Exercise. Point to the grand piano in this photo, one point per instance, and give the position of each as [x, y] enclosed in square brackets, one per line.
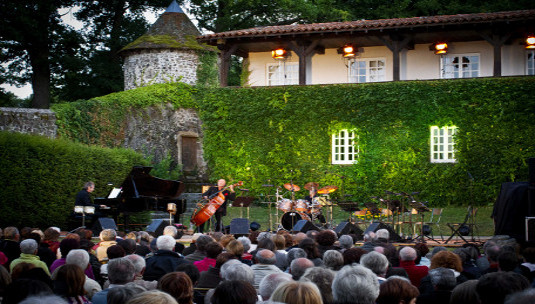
[141, 191]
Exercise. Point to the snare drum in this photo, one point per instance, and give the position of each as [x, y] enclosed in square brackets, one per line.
[301, 205]
[284, 205]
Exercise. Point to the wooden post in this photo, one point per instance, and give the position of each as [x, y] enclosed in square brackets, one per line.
[225, 64]
[303, 51]
[497, 42]
[395, 45]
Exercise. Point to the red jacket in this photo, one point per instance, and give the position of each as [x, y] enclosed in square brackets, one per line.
[416, 273]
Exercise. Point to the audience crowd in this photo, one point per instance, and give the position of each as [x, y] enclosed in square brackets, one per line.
[263, 267]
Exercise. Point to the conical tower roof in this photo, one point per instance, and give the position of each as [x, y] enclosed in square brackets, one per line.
[173, 29]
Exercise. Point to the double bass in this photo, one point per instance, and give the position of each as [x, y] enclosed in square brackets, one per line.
[199, 217]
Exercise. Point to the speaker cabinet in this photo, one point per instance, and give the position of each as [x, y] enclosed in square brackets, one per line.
[394, 237]
[348, 228]
[530, 229]
[156, 227]
[239, 226]
[104, 223]
[304, 226]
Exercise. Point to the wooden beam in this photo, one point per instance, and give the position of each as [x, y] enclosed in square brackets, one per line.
[497, 41]
[225, 64]
[395, 44]
[303, 50]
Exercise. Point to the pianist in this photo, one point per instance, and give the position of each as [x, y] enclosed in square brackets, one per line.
[83, 198]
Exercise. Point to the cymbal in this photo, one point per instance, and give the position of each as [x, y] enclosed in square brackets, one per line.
[327, 189]
[291, 187]
[311, 185]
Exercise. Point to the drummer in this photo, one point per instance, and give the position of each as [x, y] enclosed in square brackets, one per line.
[311, 198]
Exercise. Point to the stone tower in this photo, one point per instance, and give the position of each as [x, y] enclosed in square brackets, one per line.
[168, 52]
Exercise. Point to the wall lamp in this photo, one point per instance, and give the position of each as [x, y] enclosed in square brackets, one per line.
[279, 53]
[440, 48]
[530, 42]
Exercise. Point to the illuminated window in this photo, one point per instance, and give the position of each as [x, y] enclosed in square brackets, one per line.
[345, 149]
[443, 144]
[283, 73]
[530, 63]
[366, 70]
[460, 66]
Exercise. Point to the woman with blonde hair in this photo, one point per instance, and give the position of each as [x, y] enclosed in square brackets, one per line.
[297, 293]
[152, 297]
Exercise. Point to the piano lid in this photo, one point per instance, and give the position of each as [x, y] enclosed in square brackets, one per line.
[139, 183]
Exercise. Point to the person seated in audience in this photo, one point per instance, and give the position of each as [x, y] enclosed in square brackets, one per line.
[165, 260]
[443, 281]
[211, 277]
[508, 261]
[528, 267]
[121, 271]
[470, 270]
[108, 238]
[465, 293]
[124, 294]
[346, 242]
[494, 287]
[232, 292]
[422, 250]
[333, 259]
[143, 241]
[233, 270]
[152, 297]
[397, 290]
[355, 285]
[353, 255]
[264, 242]
[323, 279]
[377, 263]
[212, 249]
[80, 258]
[326, 240]
[128, 245]
[407, 256]
[492, 252]
[280, 253]
[246, 243]
[522, 297]
[178, 285]
[443, 259]
[297, 293]
[200, 251]
[299, 266]
[43, 299]
[43, 252]
[265, 265]
[370, 241]
[172, 231]
[5, 280]
[293, 254]
[139, 266]
[65, 247]
[28, 249]
[311, 248]
[69, 283]
[225, 239]
[113, 252]
[297, 238]
[237, 250]
[9, 245]
[270, 282]
[20, 289]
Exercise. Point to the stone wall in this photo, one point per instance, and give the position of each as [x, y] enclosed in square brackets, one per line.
[28, 121]
[160, 66]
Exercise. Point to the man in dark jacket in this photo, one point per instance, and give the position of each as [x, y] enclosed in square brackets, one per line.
[222, 210]
[164, 260]
[10, 244]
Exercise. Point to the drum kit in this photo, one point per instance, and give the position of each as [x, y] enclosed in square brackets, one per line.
[294, 210]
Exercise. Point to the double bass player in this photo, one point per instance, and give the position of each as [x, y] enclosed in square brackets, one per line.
[229, 194]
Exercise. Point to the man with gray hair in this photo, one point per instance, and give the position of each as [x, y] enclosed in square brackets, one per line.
[346, 242]
[382, 235]
[295, 253]
[199, 253]
[355, 285]
[443, 281]
[377, 263]
[407, 256]
[172, 231]
[266, 265]
[270, 282]
[234, 270]
[299, 266]
[139, 265]
[333, 259]
[323, 278]
[164, 260]
[28, 249]
[80, 258]
[370, 241]
[121, 271]
[9, 245]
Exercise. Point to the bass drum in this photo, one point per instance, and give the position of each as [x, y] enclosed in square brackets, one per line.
[289, 219]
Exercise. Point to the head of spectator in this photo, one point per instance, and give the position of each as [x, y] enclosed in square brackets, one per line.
[70, 280]
[436, 250]
[51, 235]
[446, 259]
[369, 237]
[216, 235]
[333, 259]
[128, 245]
[171, 231]
[263, 235]
[442, 278]
[279, 241]
[270, 282]
[246, 242]
[295, 253]
[376, 262]
[231, 292]
[11, 233]
[123, 294]
[165, 242]
[121, 271]
[346, 241]
[25, 232]
[326, 238]
[522, 297]
[234, 270]
[299, 266]
[78, 257]
[178, 285]
[253, 236]
[44, 299]
[20, 269]
[139, 264]
[143, 238]
[213, 249]
[407, 254]
[323, 278]
[382, 235]
[397, 290]
[236, 248]
[507, 261]
[310, 247]
[353, 255]
[115, 251]
[297, 293]
[191, 270]
[108, 235]
[223, 258]
[355, 284]
[225, 239]
[311, 234]
[20, 289]
[67, 245]
[288, 239]
[266, 257]
[73, 236]
[298, 237]
[422, 249]
[85, 234]
[28, 246]
[492, 252]
[266, 243]
[39, 233]
[465, 293]
[202, 241]
[492, 288]
[152, 297]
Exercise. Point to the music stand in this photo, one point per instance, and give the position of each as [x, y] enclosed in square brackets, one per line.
[243, 201]
[349, 207]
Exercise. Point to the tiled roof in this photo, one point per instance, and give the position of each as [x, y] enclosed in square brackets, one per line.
[363, 25]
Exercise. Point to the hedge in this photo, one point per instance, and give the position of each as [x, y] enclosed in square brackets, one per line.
[39, 177]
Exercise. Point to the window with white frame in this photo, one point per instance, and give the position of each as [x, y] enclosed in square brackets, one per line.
[460, 66]
[345, 149]
[366, 70]
[530, 63]
[283, 73]
[443, 144]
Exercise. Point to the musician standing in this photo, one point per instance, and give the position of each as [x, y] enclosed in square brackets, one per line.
[222, 210]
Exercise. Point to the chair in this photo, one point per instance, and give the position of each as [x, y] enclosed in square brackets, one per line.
[465, 228]
[436, 212]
